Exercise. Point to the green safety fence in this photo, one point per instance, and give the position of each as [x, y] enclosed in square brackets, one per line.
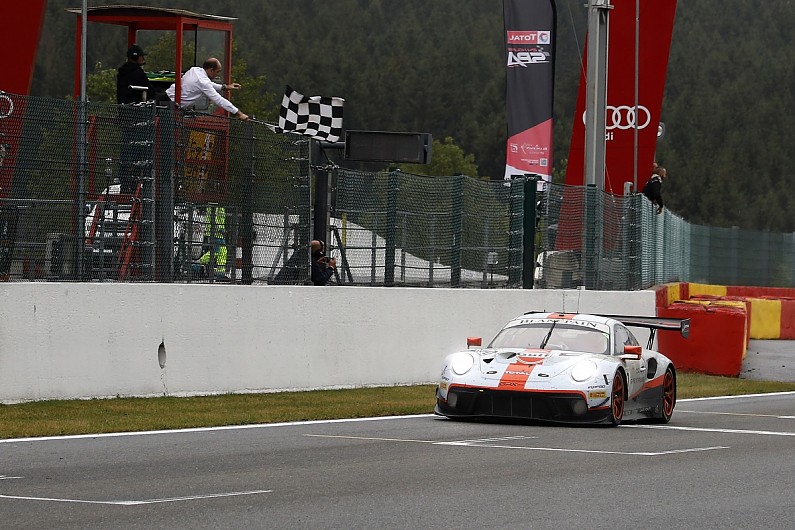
[146, 193]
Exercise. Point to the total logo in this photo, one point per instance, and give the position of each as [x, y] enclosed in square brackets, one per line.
[525, 58]
[529, 37]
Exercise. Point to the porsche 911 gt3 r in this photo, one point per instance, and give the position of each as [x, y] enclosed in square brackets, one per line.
[563, 367]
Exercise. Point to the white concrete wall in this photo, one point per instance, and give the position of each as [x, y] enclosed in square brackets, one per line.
[82, 340]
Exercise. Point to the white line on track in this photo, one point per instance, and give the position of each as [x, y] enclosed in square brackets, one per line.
[298, 423]
[369, 438]
[708, 429]
[739, 396]
[736, 414]
[210, 429]
[4, 477]
[485, 443]
[138, 503]
[591, 451]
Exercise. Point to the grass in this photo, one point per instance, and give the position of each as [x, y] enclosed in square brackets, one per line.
[51, 418]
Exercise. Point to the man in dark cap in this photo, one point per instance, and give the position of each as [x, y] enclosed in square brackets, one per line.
[130, 74]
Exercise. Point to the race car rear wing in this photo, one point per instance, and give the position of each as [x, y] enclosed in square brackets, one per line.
[654, 323]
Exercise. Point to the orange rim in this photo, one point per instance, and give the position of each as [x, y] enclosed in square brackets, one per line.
[618, 398]
[669, 394]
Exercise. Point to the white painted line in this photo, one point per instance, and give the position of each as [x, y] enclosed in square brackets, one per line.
[591, 451]
[739, 396]
[736, 414]
[369, 438]
[502, 438]
[484, 443]
[299, 423]
[707, 429]
[138, 503]
[416, 441]
[6, 477]
[210, 429]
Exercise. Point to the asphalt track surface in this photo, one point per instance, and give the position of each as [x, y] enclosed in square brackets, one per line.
[720, 463]
[769, 360]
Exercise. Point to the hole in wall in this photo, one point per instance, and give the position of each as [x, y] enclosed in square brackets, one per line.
[161, 355]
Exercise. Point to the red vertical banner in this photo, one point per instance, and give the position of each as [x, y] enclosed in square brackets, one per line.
[530, 52]
[20, 40]
[654, 20]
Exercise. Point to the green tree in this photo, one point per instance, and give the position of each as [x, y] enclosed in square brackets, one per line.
[446, 159]
[101, 84]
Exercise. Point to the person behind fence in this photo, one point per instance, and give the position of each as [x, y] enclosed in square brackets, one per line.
[132, 85]
[322, 266]
[653, 188]
[198, 90]
[131, 77]
[214, 232]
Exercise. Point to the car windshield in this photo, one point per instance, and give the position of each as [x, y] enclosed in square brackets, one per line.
[562, 337]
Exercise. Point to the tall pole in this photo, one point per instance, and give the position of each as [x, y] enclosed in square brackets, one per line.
[81, 131]
[637, 65]
[83, 28]
[596, 92]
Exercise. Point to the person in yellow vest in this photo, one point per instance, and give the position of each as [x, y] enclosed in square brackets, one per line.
[214, 229]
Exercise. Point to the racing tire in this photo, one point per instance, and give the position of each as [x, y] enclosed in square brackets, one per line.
[617, 400]
[668, 397]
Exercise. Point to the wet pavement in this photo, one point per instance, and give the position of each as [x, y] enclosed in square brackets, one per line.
[769, 360]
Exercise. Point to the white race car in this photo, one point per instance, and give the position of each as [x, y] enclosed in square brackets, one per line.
[563, 368]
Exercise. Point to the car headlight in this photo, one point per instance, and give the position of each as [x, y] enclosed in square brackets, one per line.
[583, 371]
[462, 363]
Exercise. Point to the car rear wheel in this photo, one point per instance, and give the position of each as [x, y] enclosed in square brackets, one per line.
[617, 399]
[668, 397]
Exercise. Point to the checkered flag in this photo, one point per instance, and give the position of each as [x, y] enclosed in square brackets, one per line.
[318, 116]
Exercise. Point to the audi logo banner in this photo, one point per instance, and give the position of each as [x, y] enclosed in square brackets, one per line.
[624, 117]
[530, 56]
[624, 114]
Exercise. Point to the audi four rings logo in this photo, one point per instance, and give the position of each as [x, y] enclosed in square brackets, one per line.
[623, 117]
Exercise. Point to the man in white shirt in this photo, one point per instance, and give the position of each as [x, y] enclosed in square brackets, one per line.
[198, 89]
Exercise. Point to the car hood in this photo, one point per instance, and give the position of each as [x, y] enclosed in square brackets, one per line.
[493, 362]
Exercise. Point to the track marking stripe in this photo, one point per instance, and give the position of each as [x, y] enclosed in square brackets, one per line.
[709, 429]
[369, 438]
[737, 414]
[739, 396]
[299, 423]
[138, 503]
[211, 429]
[591, 451]
[484, 443]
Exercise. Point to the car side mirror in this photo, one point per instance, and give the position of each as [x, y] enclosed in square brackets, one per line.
[635, 351]
[474, 341]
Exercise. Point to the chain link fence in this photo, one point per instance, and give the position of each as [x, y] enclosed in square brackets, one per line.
[93, 192]
[101, 192]
[395, 228]
[596, 240]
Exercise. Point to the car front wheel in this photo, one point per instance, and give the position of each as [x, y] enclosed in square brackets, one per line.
[668, 397]
[617, 399]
